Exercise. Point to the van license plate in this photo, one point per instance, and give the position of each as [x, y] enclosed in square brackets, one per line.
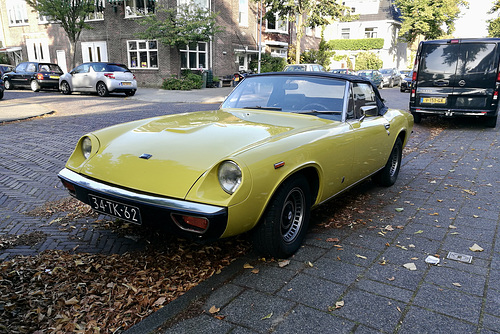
[438, 100]
[115, 209]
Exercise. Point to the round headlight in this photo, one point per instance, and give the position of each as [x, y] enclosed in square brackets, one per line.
[229, 176]
[86, 147]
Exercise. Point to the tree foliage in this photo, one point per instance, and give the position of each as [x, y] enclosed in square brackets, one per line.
[309, 14]
[321, 56]
[269, 63]
[494, 24]
[368, 61]
[70, 14]
[178, 26]
[428, 17]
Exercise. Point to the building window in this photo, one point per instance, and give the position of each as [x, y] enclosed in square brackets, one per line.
[276, 24]
[142, 54]
[278, 52]
[346, 33]
[194, 56]
[189, 3]
[98, 12]
[134, 8]
[370, 33]
[243, 13]
[17, 13]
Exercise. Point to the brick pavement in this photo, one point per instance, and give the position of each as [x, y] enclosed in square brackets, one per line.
[448, 188]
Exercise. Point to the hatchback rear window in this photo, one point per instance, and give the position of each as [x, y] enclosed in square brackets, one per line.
[116, 68]
[48, 68]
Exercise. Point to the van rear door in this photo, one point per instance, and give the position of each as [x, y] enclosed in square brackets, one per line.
[457, 77]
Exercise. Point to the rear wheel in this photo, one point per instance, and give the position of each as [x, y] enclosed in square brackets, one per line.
[65, 89]
[388, 175]
[35, 86]
[491, 121]
[102, 90]
[417, 118]
[8, 85]
[284, 224]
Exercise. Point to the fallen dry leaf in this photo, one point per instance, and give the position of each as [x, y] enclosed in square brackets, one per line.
[410, 266]
[214, 309]
[476, 248]
[283, 263]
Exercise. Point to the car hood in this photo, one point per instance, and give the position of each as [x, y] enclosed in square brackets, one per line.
[176, 150]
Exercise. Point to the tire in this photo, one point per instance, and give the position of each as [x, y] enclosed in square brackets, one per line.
[65, 89]
[284, 225]
[130, 93]
[35, 86]
[1, 94]
[102, 90]
[491, 121]
[388, 175]
[401, 89]
[417, 118]
[8, 85]
[381, 85]
[391, 84]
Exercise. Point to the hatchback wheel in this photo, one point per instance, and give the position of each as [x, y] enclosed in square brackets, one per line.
[35, 86]
[102, 90]
[8, 85]
[65, 89]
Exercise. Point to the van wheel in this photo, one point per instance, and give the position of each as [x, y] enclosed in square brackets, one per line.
[388, 175]
[491, 121]
[417, 118]
[285, 221]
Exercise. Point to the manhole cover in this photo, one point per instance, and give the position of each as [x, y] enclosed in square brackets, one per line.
[459, 257]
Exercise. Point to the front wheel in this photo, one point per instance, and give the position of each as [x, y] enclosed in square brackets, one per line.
[284, 224]
[35, 86]
[102, 90]
[388, 175]
[8, 85]
[65, 89]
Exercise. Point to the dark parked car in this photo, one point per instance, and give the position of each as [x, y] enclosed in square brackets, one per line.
[35, 75]
[374, 76]
[457, 77]
[406, 82]
[1, 88]
[4, 68]
[342, 71]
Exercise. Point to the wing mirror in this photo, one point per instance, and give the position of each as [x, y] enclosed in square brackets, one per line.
[368, 111]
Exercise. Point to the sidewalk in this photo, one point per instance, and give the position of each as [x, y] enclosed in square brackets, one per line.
[12, 110]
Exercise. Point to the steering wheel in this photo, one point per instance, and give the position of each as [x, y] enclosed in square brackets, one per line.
[314, 106]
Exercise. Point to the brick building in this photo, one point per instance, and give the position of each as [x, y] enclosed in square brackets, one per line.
[25, 35]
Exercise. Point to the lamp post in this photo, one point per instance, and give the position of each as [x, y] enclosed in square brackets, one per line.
[260, 37]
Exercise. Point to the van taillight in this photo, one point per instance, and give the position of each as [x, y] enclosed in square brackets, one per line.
[498, 76]
[414, 76]
[495, 95]
[454, 41]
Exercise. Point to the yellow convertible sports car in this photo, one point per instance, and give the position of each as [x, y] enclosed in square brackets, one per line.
[279, 145]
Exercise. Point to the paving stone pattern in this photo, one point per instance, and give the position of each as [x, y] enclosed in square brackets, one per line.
[451, 179]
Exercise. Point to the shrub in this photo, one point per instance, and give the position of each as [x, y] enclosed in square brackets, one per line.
[368, 61]
[188, 81]
[356, 44]
[269, 63]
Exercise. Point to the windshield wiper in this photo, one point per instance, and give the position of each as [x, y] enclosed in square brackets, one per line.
[313, 111]
[265, 108]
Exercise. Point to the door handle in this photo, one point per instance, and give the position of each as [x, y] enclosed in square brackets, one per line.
[387, 126]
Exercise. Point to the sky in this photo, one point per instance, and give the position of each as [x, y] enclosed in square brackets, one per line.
[472, 22]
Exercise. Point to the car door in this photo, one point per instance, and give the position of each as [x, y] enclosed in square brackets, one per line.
[373, 141]
[17, 78]
[80, 78]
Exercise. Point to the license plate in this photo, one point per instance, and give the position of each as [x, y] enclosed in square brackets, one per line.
[126, 83]
[123, 211]
[438, 100]
[54, 77]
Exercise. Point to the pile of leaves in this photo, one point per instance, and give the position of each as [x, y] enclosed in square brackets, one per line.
[58, 292]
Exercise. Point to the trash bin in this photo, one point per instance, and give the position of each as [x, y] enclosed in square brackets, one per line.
[210, 79]
[204, 76]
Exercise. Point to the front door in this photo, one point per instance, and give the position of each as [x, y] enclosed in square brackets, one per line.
[38, 50]
[94, 52]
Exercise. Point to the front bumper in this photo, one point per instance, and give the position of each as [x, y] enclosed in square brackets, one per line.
[154, 209]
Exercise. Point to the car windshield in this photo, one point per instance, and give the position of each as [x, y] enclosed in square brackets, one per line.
[300, 94]
[48, 68]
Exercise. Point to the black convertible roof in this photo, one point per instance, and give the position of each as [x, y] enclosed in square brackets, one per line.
[348, 77]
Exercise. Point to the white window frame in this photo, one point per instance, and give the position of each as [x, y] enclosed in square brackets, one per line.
[132, 10]
[243, 13]
[201, 3]
[186, 49]
[17, 13]
[138, 50]
[281, 26]
[370, 32]
[345, 33]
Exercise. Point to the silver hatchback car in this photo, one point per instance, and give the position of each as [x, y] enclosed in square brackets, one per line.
[102, 78]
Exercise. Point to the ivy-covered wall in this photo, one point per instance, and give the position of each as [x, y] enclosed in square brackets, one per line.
[356, 44]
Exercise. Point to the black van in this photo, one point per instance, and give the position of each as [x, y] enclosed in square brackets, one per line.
[456, 77]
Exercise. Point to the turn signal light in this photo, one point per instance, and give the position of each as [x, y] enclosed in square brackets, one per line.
[39, 76]
[190, 223]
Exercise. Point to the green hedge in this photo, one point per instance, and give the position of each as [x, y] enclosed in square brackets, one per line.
[356, 44]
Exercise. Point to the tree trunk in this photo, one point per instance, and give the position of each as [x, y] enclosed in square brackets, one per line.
[299, 38]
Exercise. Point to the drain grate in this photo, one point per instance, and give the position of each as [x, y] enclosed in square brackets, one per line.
[459, 257]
